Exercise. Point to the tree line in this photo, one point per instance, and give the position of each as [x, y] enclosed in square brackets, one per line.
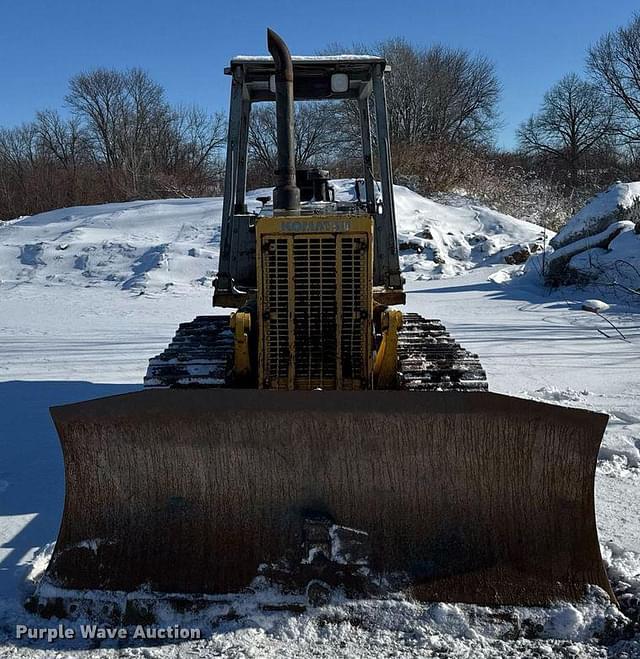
[120, 139]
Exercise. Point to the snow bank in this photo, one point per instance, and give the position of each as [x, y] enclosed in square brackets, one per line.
[599, 244]
[574, 262]
[392, 627]
[438, 241]
[133, 246]
[619, 202]
[617, 264]
[165, 245]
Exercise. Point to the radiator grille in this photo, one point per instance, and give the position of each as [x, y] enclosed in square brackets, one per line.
[277, 285]
[306, 303]
[353, 268]
[314, 311]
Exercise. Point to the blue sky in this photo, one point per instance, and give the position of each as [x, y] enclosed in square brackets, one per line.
[185, 44]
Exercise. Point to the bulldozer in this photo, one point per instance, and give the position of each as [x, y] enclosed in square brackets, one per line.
[317, 440]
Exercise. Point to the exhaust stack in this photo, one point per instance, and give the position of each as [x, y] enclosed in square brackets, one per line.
[286, 195]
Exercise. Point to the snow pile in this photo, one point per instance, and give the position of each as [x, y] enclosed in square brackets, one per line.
[599, 243]
[555, 395]
[623, 569]
[620, 451]
[595, 306]
[619, 202]
[620, 456]
[166, 245]
[438, 241]
[374, 628]
[134, 246]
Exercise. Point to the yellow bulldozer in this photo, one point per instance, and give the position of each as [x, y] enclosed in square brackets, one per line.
[318, 440]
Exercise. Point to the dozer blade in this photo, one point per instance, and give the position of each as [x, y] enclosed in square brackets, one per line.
[465, 497]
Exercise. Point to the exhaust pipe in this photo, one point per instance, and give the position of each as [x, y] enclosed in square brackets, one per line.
[286, 195]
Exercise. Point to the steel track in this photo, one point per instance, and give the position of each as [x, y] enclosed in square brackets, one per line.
[429, 359]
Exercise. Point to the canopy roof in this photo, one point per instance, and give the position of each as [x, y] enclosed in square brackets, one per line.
[312, 75]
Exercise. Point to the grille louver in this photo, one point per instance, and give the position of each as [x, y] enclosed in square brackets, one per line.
[314, 285]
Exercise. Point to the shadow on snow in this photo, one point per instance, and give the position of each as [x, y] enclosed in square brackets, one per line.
[31, 469]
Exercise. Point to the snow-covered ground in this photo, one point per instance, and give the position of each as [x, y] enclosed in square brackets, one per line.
[87, 295]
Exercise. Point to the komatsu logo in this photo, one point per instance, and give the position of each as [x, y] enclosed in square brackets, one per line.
[316, 226]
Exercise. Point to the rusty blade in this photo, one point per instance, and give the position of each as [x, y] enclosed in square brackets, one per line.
[473, 497]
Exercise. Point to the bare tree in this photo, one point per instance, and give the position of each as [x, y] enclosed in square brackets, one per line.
[442, 105]
[20, 169]
[187, 157]
[124, 114]
[95, 97]
[575, 120]
[318, 130]
[439, 94]
[614, 62]
[262, 138]
[122, 141]
[66, 141]
[143, 117]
